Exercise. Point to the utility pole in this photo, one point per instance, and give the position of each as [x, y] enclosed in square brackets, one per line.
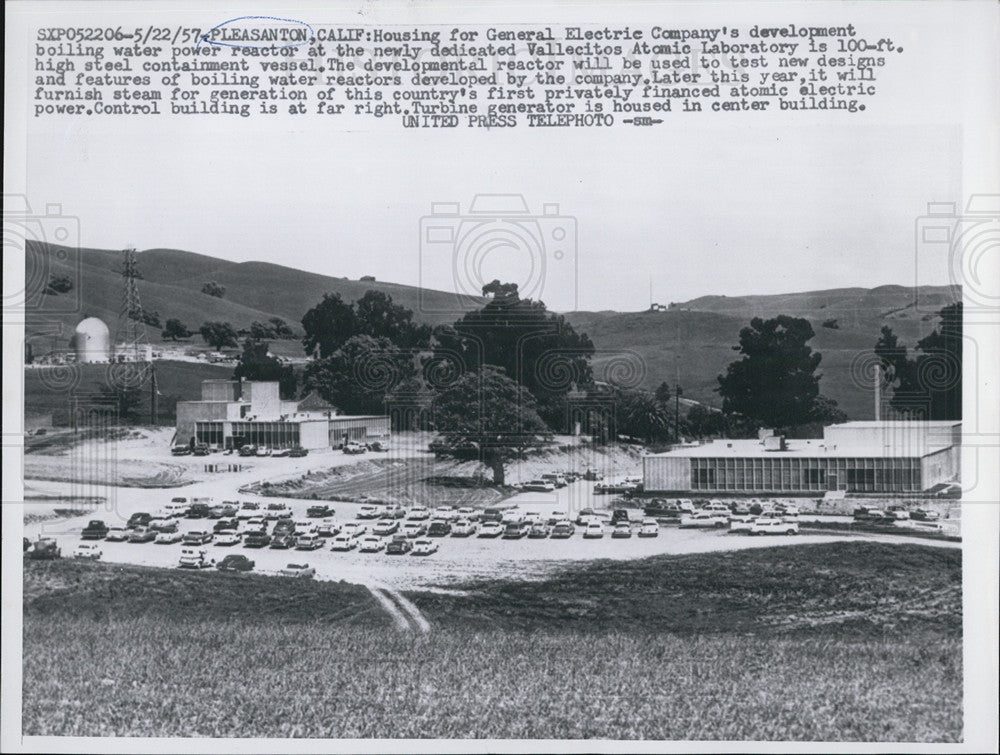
[677, 412]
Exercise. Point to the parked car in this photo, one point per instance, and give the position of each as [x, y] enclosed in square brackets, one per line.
[248, 450]
[91, 551]
[354, 448]
[418, 513]
[195, 558]
[257, 522]
[621, 530]
[198, 511]
[371, 544]
[169, 538]
[198, 537]
[216, 512]
[248, 510]
[715, 519]
[538, 486]
[142, 535]
[281, 452]
[439, 528]
[377, 445]
[178, 507]
[163, 524]
[96, 529]
[594, 529]
[424, 547]
[139, 519]
[343, 542]
[328, 528]
[414, 529]
[256, 540]
[224, 525]
[385, 527]
[229, 538]
[319, 511]
[369, 511]
[512, 516]
[117, 535]
[283, 527]
[235, 562]
[583, 516]
[557, 479]
[538, 531]
[469, 514]
[299, 571]
[263, 451]
[392, 511]
[180, 450]
[298, 452]
[398, 546]
[282, 541]
[446, 513]
[773, 526]
[898, 512]
[649, 528]
[741, 522]
[230, 509]
[618, 516]
[925, 515]
[491, 515]
[555, 516]
[354, 529]
[515, 530]
[490, 529]
[305, 527]
[562, 530]
[308, 542]
[463, 528]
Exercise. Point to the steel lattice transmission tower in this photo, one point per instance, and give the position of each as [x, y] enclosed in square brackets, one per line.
[131, 366]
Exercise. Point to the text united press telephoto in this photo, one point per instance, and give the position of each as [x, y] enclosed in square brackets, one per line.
[556, 377]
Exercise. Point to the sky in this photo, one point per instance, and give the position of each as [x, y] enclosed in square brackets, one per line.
[725, 204]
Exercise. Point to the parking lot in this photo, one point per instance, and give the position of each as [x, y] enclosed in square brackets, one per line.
[457, 560]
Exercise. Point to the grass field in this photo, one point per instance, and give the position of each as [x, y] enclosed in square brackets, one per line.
[132, 651]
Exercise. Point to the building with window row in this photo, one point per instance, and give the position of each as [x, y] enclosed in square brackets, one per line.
[234, 413]
[861, 457]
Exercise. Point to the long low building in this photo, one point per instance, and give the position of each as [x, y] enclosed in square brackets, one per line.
[234, 413]
[864, 457]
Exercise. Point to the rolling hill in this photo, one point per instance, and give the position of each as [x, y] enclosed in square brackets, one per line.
[171, 286]
[689, 344]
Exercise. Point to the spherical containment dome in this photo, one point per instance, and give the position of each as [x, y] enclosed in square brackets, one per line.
[92, 341]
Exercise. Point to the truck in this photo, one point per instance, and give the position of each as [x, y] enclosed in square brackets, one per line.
[96, 529]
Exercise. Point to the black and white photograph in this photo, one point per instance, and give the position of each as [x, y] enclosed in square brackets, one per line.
[425, 377]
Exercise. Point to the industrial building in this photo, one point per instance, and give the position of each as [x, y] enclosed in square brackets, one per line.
[234, 413]
[857, 457]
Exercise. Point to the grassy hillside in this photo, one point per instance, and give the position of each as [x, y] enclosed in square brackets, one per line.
[171, 286]
[116, 650]
[690, 343]
[831, 589]
[48, 389]
[692, 346]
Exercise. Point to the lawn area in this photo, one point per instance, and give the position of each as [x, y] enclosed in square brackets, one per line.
[840, 642]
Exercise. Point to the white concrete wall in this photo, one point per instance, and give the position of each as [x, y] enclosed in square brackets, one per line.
[666, 473]
[313, 434]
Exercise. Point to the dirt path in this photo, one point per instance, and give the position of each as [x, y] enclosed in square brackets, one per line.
[406, 616]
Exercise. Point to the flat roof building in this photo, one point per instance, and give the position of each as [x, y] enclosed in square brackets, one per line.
[889, 456]
[233, 413]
